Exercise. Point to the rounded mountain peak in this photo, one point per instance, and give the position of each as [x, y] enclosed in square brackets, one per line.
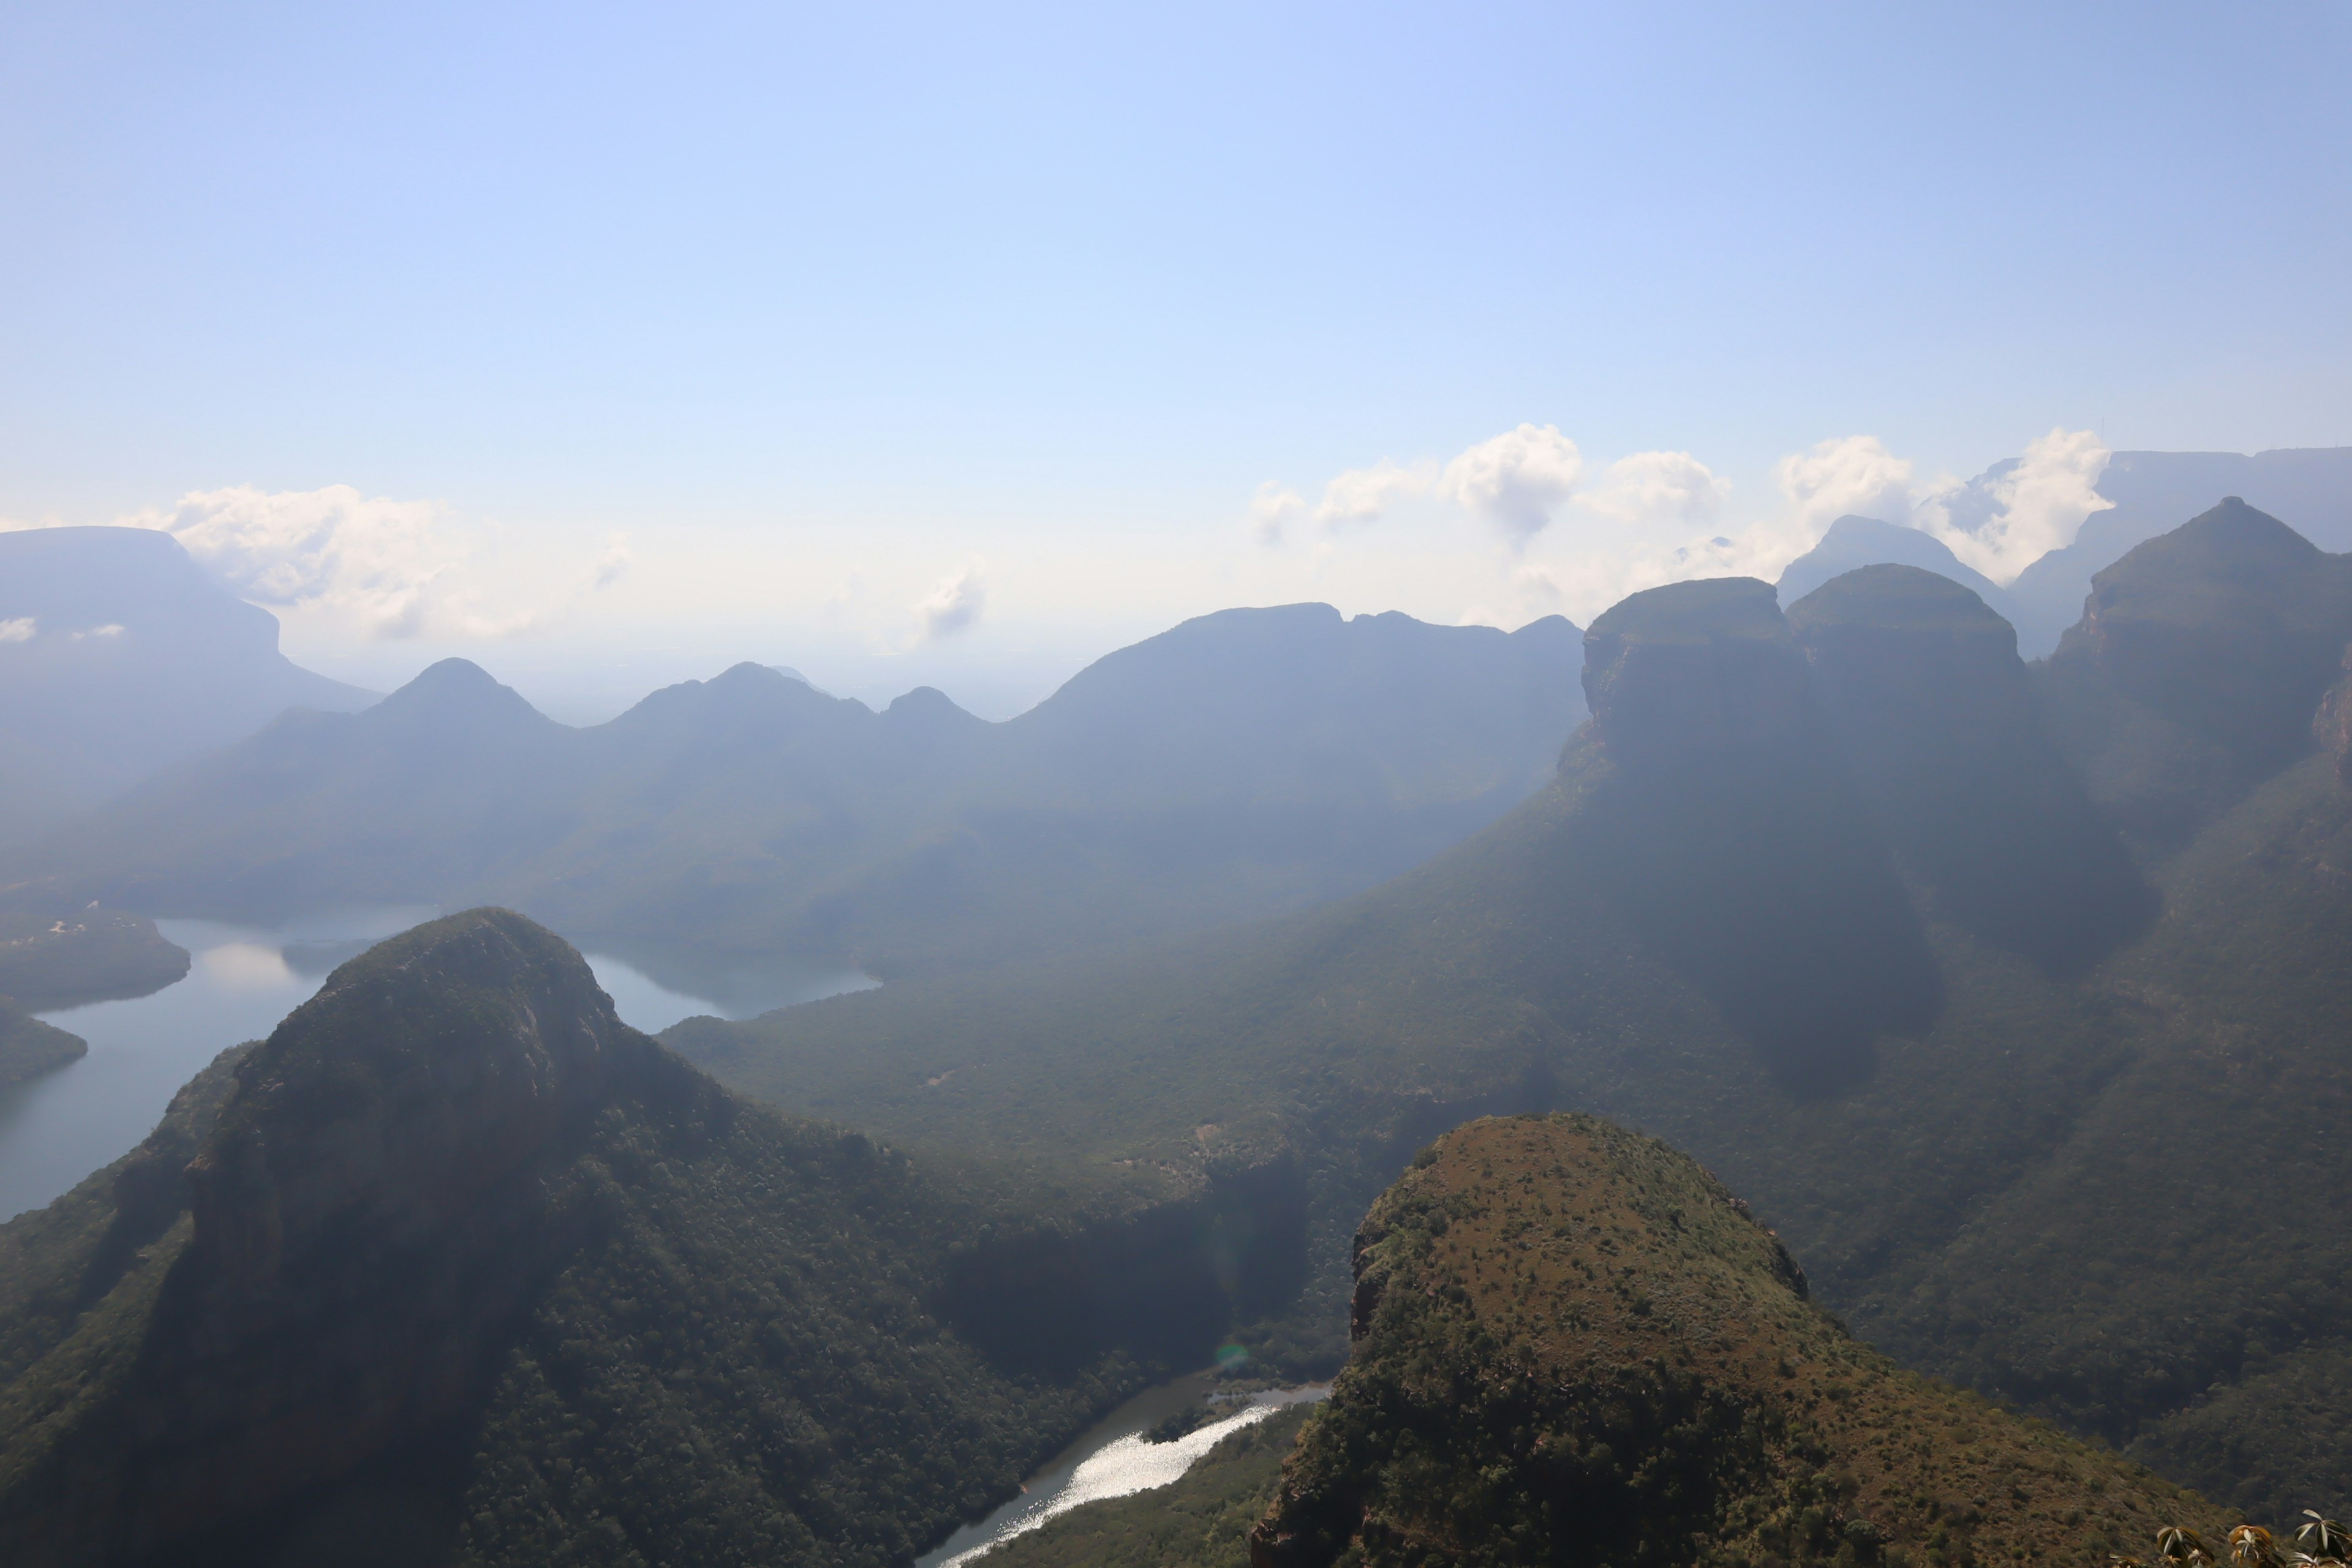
[1894, 598]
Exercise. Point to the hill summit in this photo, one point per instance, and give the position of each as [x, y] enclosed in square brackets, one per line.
[1573, 1344]
[463, 1267]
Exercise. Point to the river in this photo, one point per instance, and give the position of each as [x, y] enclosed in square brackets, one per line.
[1112, 1460]
[242, 980]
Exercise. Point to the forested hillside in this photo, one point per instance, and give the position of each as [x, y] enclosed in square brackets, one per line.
[457, 1266]
[1971, 975]
[1573, 1345]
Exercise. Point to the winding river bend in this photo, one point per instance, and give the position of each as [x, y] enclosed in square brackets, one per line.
[1112, 1460]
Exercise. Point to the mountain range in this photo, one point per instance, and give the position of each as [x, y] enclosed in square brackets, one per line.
[2148, 493]
[1243, 763]
[2009, 993]
[1971, 975]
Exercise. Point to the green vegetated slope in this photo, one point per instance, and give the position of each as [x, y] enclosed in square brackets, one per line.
[29, 1048]
[456, 1267]
[1838, 902]
[1573, 1345]
[53, 956]
[1240, 764]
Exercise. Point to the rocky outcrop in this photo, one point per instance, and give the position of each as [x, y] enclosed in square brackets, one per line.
[2331, 727]
[1936, 714]
[1573, 1345]
[1729, 831]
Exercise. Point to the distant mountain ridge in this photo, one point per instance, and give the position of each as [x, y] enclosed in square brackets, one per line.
[1856, 542]
[2149, 493]
[1242, 764]
[118, 659]
[1957, 1039]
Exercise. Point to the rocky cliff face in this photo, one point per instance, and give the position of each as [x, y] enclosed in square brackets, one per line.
[1730, 832]
[1572, 1345]
[1937, 715]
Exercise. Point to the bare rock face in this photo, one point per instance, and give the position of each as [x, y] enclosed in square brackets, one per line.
[2331, 727]
[385, 1188]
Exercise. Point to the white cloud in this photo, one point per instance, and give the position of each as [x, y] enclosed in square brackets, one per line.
[1361, 495]
[111, 629]
[21, 629]
[2036, 507]
[1273, 508]
[386, 569]
[1517, 480]
[1652, 488]
[1852, 475]
[955, 605]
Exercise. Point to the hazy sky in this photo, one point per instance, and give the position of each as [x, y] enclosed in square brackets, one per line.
[959, 345]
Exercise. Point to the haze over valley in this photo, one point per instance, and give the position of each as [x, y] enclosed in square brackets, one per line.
[1210, 788]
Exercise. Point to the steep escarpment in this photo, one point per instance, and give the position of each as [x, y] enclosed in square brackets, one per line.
[1728, 831]
[2198, 664]
[457, 1266]
[1573, 1345]
[1987, 1195]
[1939, 717]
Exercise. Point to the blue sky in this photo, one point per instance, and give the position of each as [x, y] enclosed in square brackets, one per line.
[821, 313]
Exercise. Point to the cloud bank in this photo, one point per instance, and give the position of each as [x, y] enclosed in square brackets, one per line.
[1577, 541]
[1848, 475]
[1517, 480]
[384, 569]
[2034, 507]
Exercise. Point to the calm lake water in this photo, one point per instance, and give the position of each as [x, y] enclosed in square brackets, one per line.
[1112, 1460]
[241, 981]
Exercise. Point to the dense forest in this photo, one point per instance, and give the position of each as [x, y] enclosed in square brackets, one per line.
[457, 1267]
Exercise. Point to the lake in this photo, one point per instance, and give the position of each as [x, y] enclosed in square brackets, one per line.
[1112, 1460]
[241, 981]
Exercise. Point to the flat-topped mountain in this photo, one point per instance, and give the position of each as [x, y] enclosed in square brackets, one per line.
[1572, 1344]
[1243, 763]
[118, 659]
[457, 1267]
[1950, 1037]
